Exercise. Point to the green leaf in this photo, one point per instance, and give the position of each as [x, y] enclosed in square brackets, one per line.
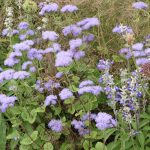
[86, 145]
[29, 139]
[24, 147]
[69, 101]
[48, 146]
[108, 133]
[2, 133]
[141, 139]
[13, 135]
[100, 146]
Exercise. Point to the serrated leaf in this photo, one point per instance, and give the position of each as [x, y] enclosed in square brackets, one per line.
[48, 146]
[29, 140]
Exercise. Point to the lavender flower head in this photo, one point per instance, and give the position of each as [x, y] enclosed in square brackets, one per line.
[52, 7]
[50, 35]
[69, 8]
[104, 121]
[55, 125]
[86, 83]
[140, 5]
[23, 26]
[21, 75]
[87, 23]
[75, 43]
[6, 101]
[50, 100]
[65, 94]
[138, 46]
[63, 59]
[59, 75]
[126, 52]
[26, 64]
[104, 65]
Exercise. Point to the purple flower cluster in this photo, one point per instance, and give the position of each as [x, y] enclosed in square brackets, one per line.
[50, 100]
[75, 43]
[59, 75]
[63, 59]
[49, 85]
[6, 31]
[123, 30]
[30, 64]
[88, 87]
[69, 8]
[65, 94]
[50, 35]
[140, 5]
[88, 38]
[80, 126]
[104, 65]
[55, 125]
[104, 121]
[87, 23]
[46, 8]
[126, 52]
[23, 26]
[72, 29]
[6, 101]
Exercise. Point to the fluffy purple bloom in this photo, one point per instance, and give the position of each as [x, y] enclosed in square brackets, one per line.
[11, 62]
[6, 101]
[38, 86]
[86, 83]
[50, 100]
[1, 69]
[80, 126]
[104, 121]
[14, 32]
[147, 51]
[63, 59]
[88, 38]
[49, 85]
[78, 55]
[72, 29]
[59, 75]
[56, 47]
[50, 35]
[140, 5]
[32, 69]
[95, 90]
[126, 52]
[65, 94]
[75, 43]
[122, 29]
[21, 75]
[5, 32]
[138, 46]
[88, 116]
[34, 54]
[52, 7]
[139, 53]
[30, 32]
[141, 61]
[87, 23]
[6, 75]
[55, 125]
[23, 26]
[104, 65]
[22, 37]
[26, 64]
[69, 8]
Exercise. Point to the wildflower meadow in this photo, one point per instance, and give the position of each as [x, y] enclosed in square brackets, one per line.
[74, 75]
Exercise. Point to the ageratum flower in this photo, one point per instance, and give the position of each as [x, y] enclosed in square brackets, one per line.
[55, 125]
[75, 43]
[142, 61]
[30, 32]
[104, 121]
[126, 52]
[26, 64]
[21, 75]
[56, 47]
[87, 23]
[32, 69]
[78, 55]
[50, 35]
[6, 75]
[22, 37]
[50, 100]
[95, 90]
[59, 75]
[5, 32]
[65, 94]
[72, 29]
[6, 101]
[69, 8]
[140, 5]
[34, 54]
[88, 116]
[63, 59]
[88, 38]
[104, 65]
[86, 83]
[80, 126]
[23, 26]
[122, 29]
[52, 7]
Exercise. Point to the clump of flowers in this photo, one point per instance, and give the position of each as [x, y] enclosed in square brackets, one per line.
[140, 5]
[55, 125]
